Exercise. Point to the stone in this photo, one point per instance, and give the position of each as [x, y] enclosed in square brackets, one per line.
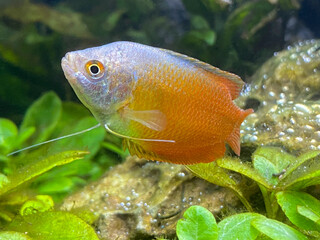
[140, 199]
[285, 95]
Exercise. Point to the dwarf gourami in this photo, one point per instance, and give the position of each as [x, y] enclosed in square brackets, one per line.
[167, 106]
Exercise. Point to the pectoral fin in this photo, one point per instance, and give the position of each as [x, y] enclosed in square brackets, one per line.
[153, 119]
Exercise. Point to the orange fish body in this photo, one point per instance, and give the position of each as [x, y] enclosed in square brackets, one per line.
[167, 106]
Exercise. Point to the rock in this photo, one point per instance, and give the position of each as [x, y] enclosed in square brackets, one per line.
[141, 199]
[285, 94]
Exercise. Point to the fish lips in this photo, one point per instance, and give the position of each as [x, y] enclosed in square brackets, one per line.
[69, 72]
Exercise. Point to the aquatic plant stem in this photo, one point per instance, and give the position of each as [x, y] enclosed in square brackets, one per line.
[270, 202]
[243, 200]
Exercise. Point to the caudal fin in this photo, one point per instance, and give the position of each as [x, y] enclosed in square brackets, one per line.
[234, 138]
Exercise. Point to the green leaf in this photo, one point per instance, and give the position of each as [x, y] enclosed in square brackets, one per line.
[277, 230]
[56, 181]
[211, 172]
[41, 203]
[246, 169]
[24, 135]
[75, 118]
[89, 141]
[43, 115]
[8, 135]
[301, 159]
[54, 185]
[200, 23]
[6, 215]
[36, 164]
[53, 226]
[113, 19]
[289, 202]
[198, 224]
[305, 174]
[308, 213]
[207, 36]
[85, 214]
[3, 180]
[11, 235]
[239, 227]
[114, 148]
[270, 161]
[71, 114]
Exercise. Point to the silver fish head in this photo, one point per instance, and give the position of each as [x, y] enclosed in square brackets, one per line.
[100, 76]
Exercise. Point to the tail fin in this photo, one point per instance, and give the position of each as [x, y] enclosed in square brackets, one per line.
[234, 138]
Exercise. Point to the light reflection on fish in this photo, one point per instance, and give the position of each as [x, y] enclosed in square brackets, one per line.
[167, 106]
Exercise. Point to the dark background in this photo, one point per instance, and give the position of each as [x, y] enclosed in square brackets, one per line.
[235, 35]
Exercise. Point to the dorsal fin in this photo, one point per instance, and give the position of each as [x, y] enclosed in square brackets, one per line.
[233, 82]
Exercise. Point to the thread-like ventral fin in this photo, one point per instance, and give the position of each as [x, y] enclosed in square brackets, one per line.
[136, 138]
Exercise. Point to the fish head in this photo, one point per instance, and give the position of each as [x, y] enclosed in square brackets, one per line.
[100, 77]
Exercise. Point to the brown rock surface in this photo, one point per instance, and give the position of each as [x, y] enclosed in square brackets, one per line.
[140, 199]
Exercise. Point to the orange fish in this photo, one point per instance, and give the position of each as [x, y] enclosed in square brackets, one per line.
[167, 106]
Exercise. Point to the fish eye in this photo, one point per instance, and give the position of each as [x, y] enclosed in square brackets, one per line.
[95, 69]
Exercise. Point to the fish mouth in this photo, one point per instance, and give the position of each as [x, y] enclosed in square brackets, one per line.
[69, 72]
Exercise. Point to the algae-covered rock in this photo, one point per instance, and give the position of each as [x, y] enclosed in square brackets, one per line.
[285, 93]
[141, 198]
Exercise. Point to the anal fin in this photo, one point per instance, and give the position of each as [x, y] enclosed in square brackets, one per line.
[176, 153]
[139, 150]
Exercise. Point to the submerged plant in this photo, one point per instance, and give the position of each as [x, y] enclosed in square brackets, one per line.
[31, 181]
[282, 178]
[199, 223]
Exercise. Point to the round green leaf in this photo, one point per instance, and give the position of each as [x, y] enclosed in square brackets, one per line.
[8, 134]
[270, 161]
[43, 114]
[308, 213]
[3, 180]
[277, 230]
[289, 202]
[198, 224]
[10, 235]
[239, 227]
[53, 226]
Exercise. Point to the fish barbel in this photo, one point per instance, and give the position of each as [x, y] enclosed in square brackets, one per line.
[166, 106]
